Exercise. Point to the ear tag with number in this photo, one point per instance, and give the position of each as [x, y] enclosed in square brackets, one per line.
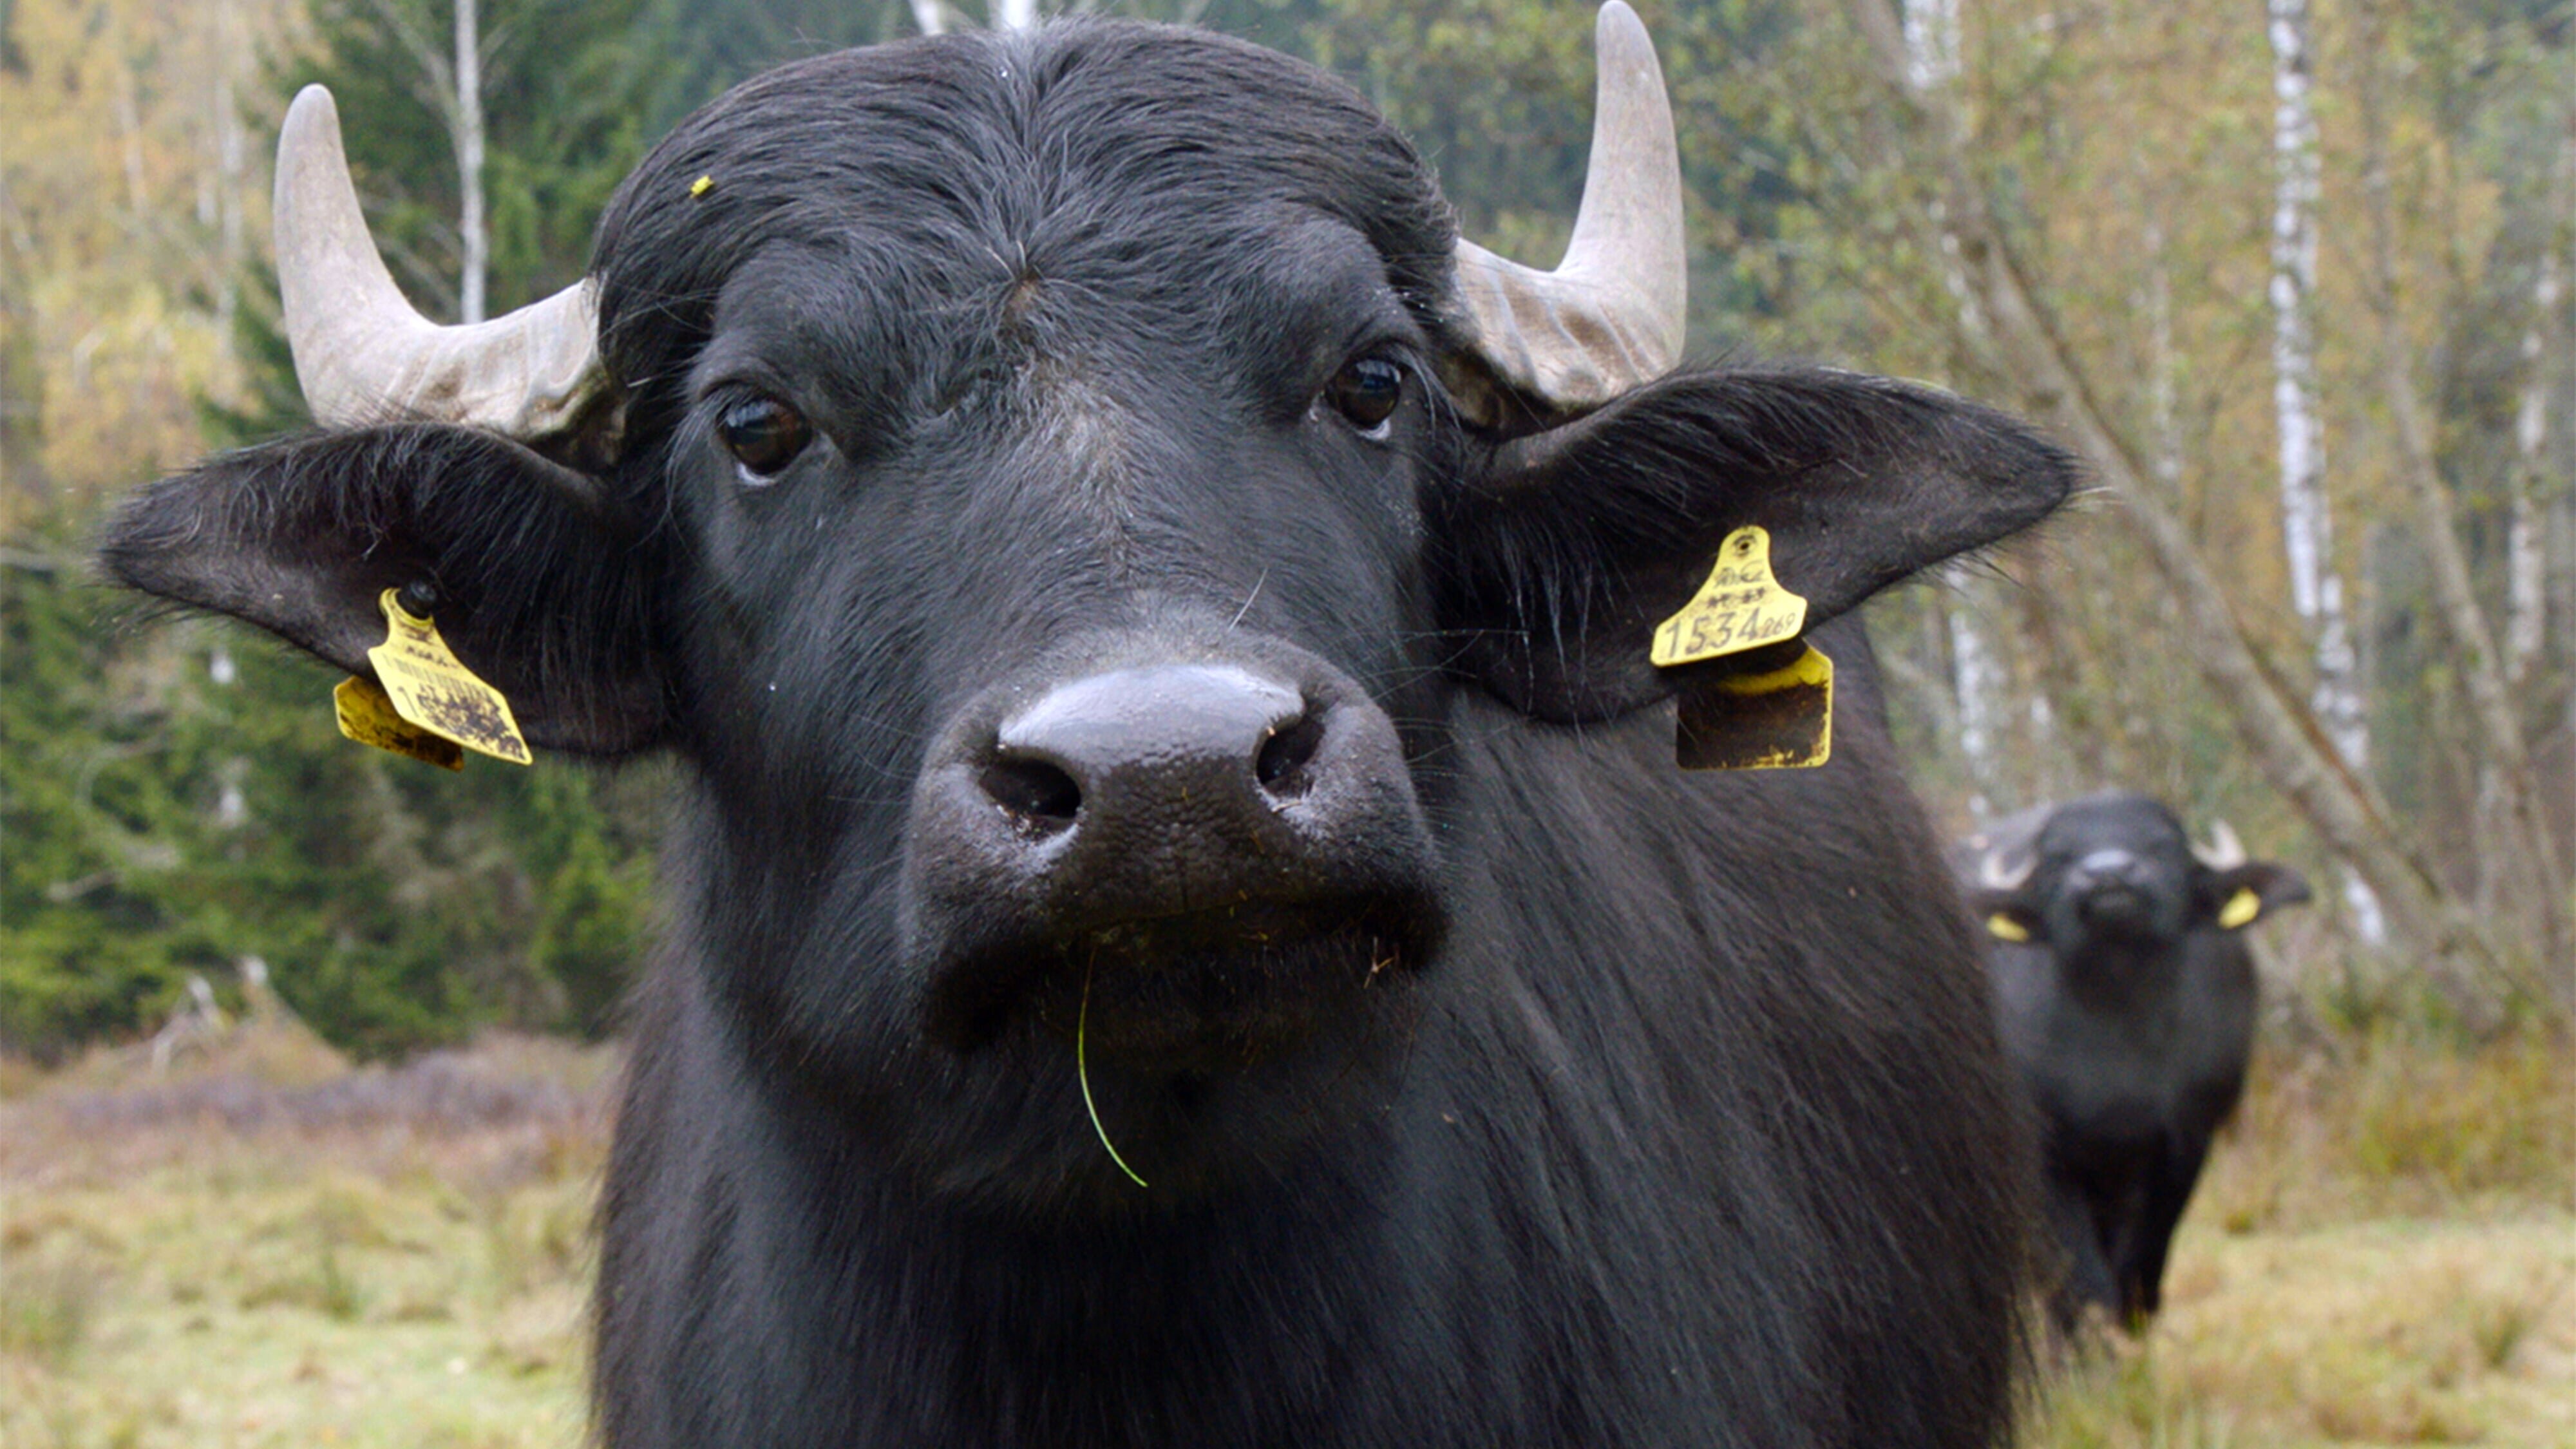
[2240, 909]
[1780, 719]
[2004, 928]
[1740, 607]
[432, 691]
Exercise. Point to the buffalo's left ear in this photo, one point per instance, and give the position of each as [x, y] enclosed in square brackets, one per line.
[1565, 549]
[2239, 895]
[541, 591]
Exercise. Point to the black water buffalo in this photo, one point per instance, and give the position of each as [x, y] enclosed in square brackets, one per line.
[2126, 998]
[1187, 927]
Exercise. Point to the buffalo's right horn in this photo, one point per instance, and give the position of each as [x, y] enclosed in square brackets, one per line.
[363, 355]
[1998, 870]
[2224, 851]
[1610, 316]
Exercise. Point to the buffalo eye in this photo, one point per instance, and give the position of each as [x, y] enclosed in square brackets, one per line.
[764, 435]
[1366, 391]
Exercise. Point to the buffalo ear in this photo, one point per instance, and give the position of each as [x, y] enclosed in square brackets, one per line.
[1565, 549]
[2240, 895]
[2006, 915]
[539, 592]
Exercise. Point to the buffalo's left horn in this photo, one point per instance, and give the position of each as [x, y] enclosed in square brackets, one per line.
[1610, 316]
[363, 355]
[2224, 851]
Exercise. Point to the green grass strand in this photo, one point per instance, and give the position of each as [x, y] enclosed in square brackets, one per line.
[1082, 1070]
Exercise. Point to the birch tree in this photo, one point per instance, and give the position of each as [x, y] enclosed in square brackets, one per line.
[2307, 523]
[2538, 495]
[465, 120]
[1976, 685]
[2526, 560]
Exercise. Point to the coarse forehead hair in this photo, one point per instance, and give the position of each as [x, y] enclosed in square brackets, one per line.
[942, 169]
[2113, 817]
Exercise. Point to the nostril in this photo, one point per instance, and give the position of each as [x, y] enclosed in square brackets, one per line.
[1035, 794]
[1283, 764]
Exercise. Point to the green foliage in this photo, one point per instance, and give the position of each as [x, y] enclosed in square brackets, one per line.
[176, 800]
[593, 927]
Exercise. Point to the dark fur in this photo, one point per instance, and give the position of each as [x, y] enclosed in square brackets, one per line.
[1687, 1126]
[2132, 1043]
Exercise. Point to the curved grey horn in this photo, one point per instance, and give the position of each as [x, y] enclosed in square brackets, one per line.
[2224, 851]
[364, 355]
[1996, 872]
[1610, 316]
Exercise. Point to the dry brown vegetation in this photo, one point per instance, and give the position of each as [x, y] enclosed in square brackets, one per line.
[262, 1246]
[265, 1247]
[2383, 1252]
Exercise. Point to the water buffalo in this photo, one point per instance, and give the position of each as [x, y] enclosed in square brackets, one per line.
[1186, 928]
[2126, 997]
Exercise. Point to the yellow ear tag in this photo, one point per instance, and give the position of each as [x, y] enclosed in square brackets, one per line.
[367, 715]
[432, 691]
[702, 186]
[1740, 607]
[2241, 907]
[2005, 928]
[1782, 719]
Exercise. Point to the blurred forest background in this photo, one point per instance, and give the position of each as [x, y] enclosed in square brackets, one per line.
[2297, 277]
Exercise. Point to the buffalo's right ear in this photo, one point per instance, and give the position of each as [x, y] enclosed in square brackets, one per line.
[2236, 896]
[539, 591]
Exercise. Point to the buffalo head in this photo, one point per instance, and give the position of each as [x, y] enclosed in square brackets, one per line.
[1061, 493]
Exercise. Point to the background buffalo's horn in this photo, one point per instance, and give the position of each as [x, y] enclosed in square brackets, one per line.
[1610, 316]
[2224, 851]
[364, 356]
[1997, 872]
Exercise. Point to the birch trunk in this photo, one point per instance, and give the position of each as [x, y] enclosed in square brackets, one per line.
[2526, 584]
[2307, 521]
[2162, 400]
[2282, 737]
[931, 16]
[2529, 601]
[1931, 63]
[230, 159]
[1931, 43]
[474, 240]
[1977, 687]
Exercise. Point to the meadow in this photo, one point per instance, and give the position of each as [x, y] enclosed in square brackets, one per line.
[258, 1245]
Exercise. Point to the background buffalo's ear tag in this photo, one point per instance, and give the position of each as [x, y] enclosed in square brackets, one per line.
[1782, 719]
[2004, 928]
[430, 689]
[1740, 607]
[2240, 909]
[367, 715]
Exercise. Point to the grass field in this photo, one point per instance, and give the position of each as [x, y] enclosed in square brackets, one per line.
[266, 1248]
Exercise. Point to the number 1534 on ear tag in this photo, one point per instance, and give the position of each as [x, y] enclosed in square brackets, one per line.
[1740, 607]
